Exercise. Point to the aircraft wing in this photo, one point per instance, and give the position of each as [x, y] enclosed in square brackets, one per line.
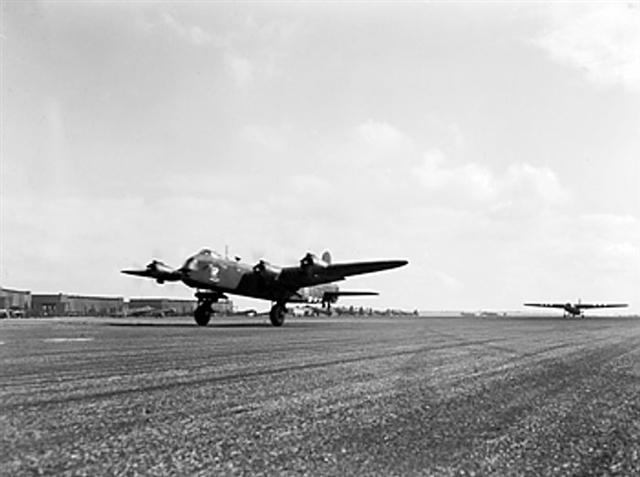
[344, 270]
[602, 305]
[314, 274]
[546, 305]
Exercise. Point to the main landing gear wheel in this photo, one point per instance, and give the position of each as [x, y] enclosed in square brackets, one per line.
[204, 310]
[277, 314]
[203, 314]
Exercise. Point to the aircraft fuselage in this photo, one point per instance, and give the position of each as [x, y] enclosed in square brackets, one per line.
[572, 309]
[207, 271]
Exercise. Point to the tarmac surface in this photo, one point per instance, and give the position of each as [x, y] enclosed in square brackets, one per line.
[320, 396]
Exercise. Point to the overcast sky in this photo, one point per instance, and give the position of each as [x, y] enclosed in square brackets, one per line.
[494, 146]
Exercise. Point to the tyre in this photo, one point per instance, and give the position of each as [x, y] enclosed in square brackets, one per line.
[277, 314]
[202, 315]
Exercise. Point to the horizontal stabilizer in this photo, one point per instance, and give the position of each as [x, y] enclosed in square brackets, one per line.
[331, 296]
[350, 293]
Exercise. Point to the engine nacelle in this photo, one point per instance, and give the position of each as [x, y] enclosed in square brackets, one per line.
[312, 261]
[161, 272]
[157, 270]
[266, 270]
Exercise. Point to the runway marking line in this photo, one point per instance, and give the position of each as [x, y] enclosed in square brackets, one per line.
[63, 340]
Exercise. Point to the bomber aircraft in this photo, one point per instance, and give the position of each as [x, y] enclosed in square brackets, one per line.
[577, 308]
[213, 276]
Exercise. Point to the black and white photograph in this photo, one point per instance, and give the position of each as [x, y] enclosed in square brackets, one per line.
[319, 238]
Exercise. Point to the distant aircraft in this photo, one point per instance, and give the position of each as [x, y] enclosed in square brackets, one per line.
[147, 311]
[138, 311]
[325, 295]
[576, 309]
[214, 276]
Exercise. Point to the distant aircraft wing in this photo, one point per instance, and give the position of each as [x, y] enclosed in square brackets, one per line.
[602, 305]
[546, 305]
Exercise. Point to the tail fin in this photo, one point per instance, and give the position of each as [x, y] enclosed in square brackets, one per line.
[326, 257]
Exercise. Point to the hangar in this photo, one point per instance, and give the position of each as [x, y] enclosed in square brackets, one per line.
[15, 302]
[75, 305]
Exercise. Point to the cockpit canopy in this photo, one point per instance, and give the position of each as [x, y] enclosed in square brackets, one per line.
[209, 252]
[204, 254]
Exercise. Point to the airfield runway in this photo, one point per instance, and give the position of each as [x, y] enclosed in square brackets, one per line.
[319, 396]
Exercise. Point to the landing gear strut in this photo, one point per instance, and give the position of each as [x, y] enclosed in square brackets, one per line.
[277, 314]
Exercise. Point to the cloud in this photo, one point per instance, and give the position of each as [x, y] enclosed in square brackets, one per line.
[612, 240]
[273, 138]
[470, 180]
[521, 187]
[447, 280]
[529, 187]
[382, 136]
[372, 155]
[590, 245]
[191, 33]
[603, 40]
[622, 252]
[241, 69]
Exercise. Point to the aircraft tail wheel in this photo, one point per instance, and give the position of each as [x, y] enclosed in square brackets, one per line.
[277, 314]
[202, 315]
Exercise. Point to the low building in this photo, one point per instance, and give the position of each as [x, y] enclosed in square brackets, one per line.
[223, 307]
[160, 306]
[172, 306]
[15, 302]
[76, 305]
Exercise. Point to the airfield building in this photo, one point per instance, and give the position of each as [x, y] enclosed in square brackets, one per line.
[164, 306]
[15, 302]
[76, 305]
[223, 307]
[174, 306]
